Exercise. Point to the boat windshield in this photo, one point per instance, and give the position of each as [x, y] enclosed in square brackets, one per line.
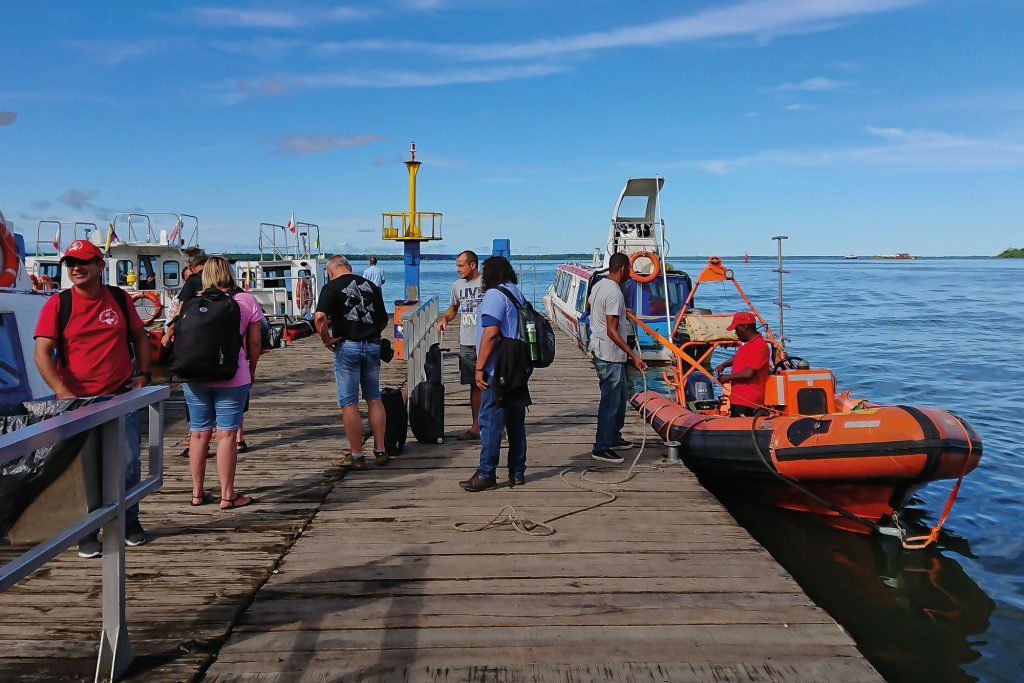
[648, 298]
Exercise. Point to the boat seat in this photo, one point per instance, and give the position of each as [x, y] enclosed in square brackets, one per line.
[709, 328]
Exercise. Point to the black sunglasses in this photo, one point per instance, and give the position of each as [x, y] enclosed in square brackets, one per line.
[72, 262]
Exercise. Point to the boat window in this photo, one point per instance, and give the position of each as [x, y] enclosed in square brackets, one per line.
[147, 272]
[124, 267]
[563, 287]
[581, 296]
[172, 274]
[276, 276]
[633, 207]
[558, 281]
[13, 378]
[52, 271]
[652, 295]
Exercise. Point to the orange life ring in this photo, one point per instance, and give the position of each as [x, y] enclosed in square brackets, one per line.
[655, 263]
[46, 283]
[303, 294]
[153, 297]
[9, 252]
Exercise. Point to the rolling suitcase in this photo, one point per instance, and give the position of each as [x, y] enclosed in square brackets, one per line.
[396, 427]
[433, 364]
[426, 412]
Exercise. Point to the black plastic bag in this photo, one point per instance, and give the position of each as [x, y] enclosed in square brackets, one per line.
[25, 478]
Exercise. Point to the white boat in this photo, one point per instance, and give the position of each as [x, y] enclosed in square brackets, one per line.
[287, 278]
[20, 305]
[638, 231]
[850, 257]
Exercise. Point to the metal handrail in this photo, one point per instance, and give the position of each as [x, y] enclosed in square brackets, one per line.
[420, 331]
[115, 653]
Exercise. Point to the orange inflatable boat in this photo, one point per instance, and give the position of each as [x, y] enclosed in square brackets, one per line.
[808, 447]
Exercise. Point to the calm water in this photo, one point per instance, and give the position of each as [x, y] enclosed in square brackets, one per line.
[938, 332]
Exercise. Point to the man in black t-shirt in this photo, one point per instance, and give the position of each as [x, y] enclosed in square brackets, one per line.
[353, 308]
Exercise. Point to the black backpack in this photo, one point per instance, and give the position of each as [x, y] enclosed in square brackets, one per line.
[206, 338]
[64, 304]
[544, 346]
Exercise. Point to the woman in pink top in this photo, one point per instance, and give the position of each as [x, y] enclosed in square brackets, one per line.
[222, 402]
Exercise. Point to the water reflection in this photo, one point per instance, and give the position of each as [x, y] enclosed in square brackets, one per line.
[916, 615]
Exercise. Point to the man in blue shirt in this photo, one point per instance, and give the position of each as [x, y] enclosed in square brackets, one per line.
[374, 273]
[496, 319]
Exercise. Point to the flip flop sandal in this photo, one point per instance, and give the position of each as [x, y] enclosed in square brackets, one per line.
[204, 499]
[233, 503]
[242, 446]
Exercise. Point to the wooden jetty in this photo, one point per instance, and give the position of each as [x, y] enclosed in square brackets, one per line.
[362, 577]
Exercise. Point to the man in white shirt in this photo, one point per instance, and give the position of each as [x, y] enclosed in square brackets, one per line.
[467, 293]
[374, 273]
[609, 329]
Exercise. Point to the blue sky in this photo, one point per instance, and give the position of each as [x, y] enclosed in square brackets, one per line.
[866, 126]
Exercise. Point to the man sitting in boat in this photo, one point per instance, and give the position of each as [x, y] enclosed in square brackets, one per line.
[750, 367]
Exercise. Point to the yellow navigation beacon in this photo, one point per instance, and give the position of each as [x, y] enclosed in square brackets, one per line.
[411, 225]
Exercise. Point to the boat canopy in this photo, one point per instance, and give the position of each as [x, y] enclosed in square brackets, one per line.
[634, 219]
[626, 209]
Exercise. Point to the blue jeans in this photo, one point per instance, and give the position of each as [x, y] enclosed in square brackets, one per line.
[357, 366]
[206, 405]
[611, 413]
[493, 420]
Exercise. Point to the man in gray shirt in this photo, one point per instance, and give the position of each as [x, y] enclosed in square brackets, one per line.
[609, 329]
[466, 295]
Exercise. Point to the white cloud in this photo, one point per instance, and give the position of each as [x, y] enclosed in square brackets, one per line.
[305, 145]
[239, 90]
[754, 18]
[899, 148]
[799, 106]
[815, 84]
[284, 18]
[117, 52]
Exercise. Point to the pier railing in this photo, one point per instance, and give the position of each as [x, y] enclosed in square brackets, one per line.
[420, 331]
[115, 652]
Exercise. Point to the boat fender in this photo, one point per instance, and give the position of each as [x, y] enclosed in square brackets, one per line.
[154, 297]
[655, 266]
[9, 254]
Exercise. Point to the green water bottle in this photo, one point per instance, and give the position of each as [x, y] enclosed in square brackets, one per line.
[531, 340]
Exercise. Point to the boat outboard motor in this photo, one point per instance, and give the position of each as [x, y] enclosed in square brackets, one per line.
[699, 389]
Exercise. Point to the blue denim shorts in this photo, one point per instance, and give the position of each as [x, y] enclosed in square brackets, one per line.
[208, 404]
[357, 366]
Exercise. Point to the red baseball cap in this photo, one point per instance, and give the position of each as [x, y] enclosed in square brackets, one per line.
[82, 250]
[742, 318]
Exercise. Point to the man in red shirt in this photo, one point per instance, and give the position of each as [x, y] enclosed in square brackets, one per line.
[91, 356]
[749, 367]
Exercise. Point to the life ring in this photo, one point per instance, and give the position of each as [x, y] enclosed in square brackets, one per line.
[46, 283]
[655, 266]
[303, 295]
[9, 252]
[153, 298]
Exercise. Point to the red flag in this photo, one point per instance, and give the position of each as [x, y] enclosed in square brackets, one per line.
[56, 239]
[174, 233]
[291, 221]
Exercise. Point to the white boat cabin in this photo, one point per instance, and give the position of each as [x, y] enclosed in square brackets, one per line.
[290, 272]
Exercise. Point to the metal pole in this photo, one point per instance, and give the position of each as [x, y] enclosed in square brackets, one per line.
[780, 302]
[115, 655]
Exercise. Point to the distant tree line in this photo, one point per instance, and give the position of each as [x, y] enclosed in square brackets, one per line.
[1011, 253]
[398, 257]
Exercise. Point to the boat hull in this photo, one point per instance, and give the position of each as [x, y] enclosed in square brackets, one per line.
[868, 461]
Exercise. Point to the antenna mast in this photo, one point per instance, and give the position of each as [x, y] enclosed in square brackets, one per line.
[779, 302]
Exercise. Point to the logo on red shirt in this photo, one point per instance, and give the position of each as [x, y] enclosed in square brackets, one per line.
[108, 317]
